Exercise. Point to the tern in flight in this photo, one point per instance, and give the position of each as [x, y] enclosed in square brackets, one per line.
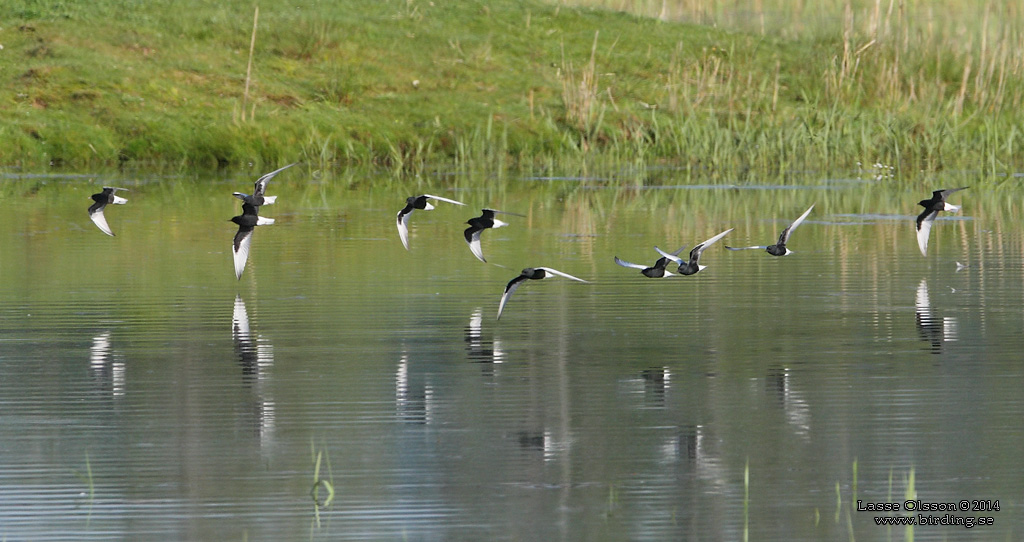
[530, 273]
[779, 249]
[259, 189]
[655, 271]
[102, 199]
[247, 222]
[411, 204]
[477, 225]
[692, 266]
[932, 207]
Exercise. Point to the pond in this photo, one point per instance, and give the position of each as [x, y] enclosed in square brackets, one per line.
[346, 388]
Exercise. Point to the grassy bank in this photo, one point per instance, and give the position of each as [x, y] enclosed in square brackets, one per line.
[403, 84]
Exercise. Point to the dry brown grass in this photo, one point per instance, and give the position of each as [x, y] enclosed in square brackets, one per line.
[942, 54]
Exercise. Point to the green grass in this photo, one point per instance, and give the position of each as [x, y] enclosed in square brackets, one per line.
[87, 479]
[319, 483]
[408, 85]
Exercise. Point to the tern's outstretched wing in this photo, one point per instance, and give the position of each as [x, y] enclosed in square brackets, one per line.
[946, 192]
[100, 220]
[924, 228]
[260, 186]
[240, 248]
[697, 250]
[403, 226]
[492, 211]
[561, 274]
[473, 239]
[510, 288]
[762, 247]
[672, 256]
[444, 199]
[784, 237]
[624, 263]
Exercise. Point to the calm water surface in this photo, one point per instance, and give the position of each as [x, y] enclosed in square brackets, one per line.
[147, 394]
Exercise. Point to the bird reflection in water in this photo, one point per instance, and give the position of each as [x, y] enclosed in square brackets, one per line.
[480, 350]
[542, 441]
[933, 330]
[256, 357]
[693, 445]
[106, 366]
[656, 383]
[413, 398]
[778, 382]
[650, 386]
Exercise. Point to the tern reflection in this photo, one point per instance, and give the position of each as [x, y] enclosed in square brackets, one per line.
[256, 357]
[413, 396]
[106, 366]
[794, 406]
[656, 384]
[480, 350]
[933, 330]
[650, 386]
[696, 448]
[542, 441]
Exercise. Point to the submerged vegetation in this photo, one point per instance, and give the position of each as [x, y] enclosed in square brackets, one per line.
[404, 84]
